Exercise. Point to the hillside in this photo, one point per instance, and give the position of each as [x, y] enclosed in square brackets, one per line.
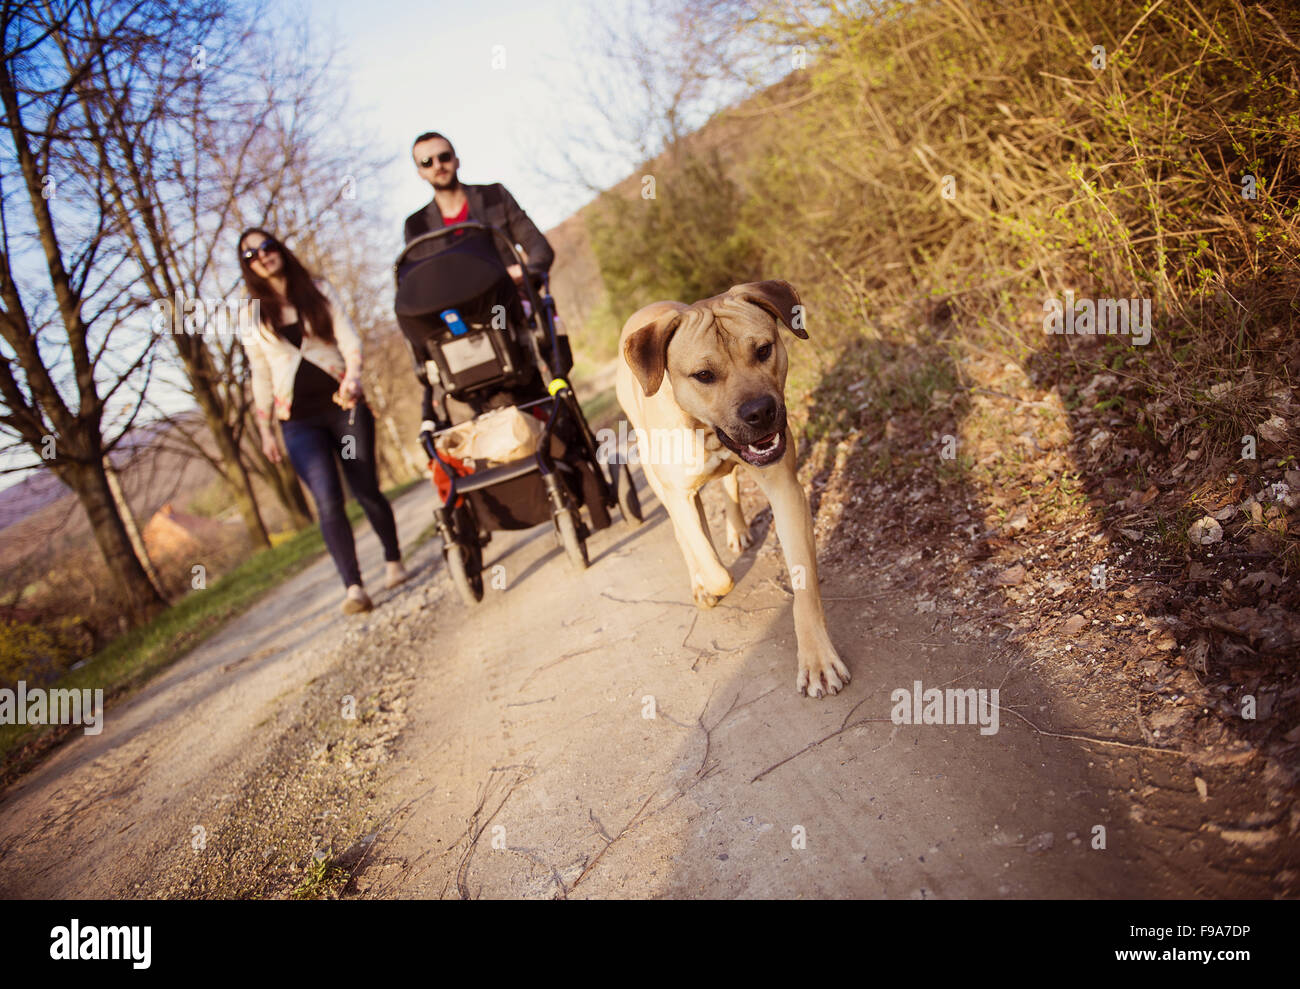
[940, 182]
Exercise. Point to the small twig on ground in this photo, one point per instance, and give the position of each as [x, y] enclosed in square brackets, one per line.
[677, 604]
[690, 630]
[383, 826]
[813, 745]
[556, 662]
[701, 774]
[609, 842]
[475, 830]
[708, 731]
[1089, 738]
[532, 856]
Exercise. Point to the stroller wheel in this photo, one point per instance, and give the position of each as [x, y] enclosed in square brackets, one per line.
[469, 588]
[574, 545]
[629, 503]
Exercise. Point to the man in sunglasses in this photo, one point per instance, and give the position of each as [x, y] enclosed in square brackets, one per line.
[436, 161]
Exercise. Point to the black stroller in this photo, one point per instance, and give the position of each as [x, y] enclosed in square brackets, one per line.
[478, 350]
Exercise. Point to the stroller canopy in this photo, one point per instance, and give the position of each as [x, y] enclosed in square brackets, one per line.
[448, 273]
[458, 270]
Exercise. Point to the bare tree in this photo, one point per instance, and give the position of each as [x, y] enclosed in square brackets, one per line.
[247, 114]
[145, 136]
[653, 73]
[149, 132]
[76, 357]
[322, 202]
[232, 130]
[297, 172]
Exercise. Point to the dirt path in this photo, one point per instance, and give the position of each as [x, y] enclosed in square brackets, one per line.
[99, 816]
[596, 735]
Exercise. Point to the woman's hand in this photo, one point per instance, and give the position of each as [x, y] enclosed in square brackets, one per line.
[270, 447]
[349, 393]
[516, 273]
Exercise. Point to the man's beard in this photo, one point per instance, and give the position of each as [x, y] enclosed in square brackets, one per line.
[452, 183]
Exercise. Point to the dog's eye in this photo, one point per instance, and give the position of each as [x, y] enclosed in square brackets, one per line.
[703, 377]
[764, 352]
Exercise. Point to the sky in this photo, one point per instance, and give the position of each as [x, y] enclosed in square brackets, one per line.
[490, 76]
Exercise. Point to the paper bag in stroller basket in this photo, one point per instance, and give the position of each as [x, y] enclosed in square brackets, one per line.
[501, 436]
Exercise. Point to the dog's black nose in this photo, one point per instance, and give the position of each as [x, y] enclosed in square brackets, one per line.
[760, 413]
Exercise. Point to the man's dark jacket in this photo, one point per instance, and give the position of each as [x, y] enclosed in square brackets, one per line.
[492, 204]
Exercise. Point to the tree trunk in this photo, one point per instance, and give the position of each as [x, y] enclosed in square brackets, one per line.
[198, 368]
[132, 528]
[284, 482]
[241, 488]
[89, 481]
[288, 488]
[401, 453]
[400, 450]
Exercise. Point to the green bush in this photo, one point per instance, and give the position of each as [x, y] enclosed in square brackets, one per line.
[685, 243]
[35, 653]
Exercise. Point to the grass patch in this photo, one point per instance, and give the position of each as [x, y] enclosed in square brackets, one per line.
[131, 660]
[602, 409]
[324, 879]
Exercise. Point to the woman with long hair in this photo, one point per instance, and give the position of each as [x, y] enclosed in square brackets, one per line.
[306, 366]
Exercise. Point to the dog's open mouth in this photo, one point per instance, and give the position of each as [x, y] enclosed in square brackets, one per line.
[766, 450]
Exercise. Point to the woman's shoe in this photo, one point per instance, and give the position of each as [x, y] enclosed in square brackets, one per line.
[396, 574]
[357, 601]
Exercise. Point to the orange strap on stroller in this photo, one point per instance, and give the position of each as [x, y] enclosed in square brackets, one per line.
[441, 482]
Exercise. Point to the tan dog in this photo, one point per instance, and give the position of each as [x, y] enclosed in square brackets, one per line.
[711, 377]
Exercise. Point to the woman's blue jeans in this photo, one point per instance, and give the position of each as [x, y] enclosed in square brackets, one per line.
[318, 446]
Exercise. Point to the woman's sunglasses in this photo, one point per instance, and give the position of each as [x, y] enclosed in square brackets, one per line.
[442, 156]
[266, 247]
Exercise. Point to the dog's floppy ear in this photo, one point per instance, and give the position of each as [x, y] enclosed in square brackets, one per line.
[780, 299]
[646, 348]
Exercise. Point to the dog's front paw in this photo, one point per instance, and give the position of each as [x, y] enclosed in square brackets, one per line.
[703, 598]
[821, 671]
[738, 540]
[709, 594]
